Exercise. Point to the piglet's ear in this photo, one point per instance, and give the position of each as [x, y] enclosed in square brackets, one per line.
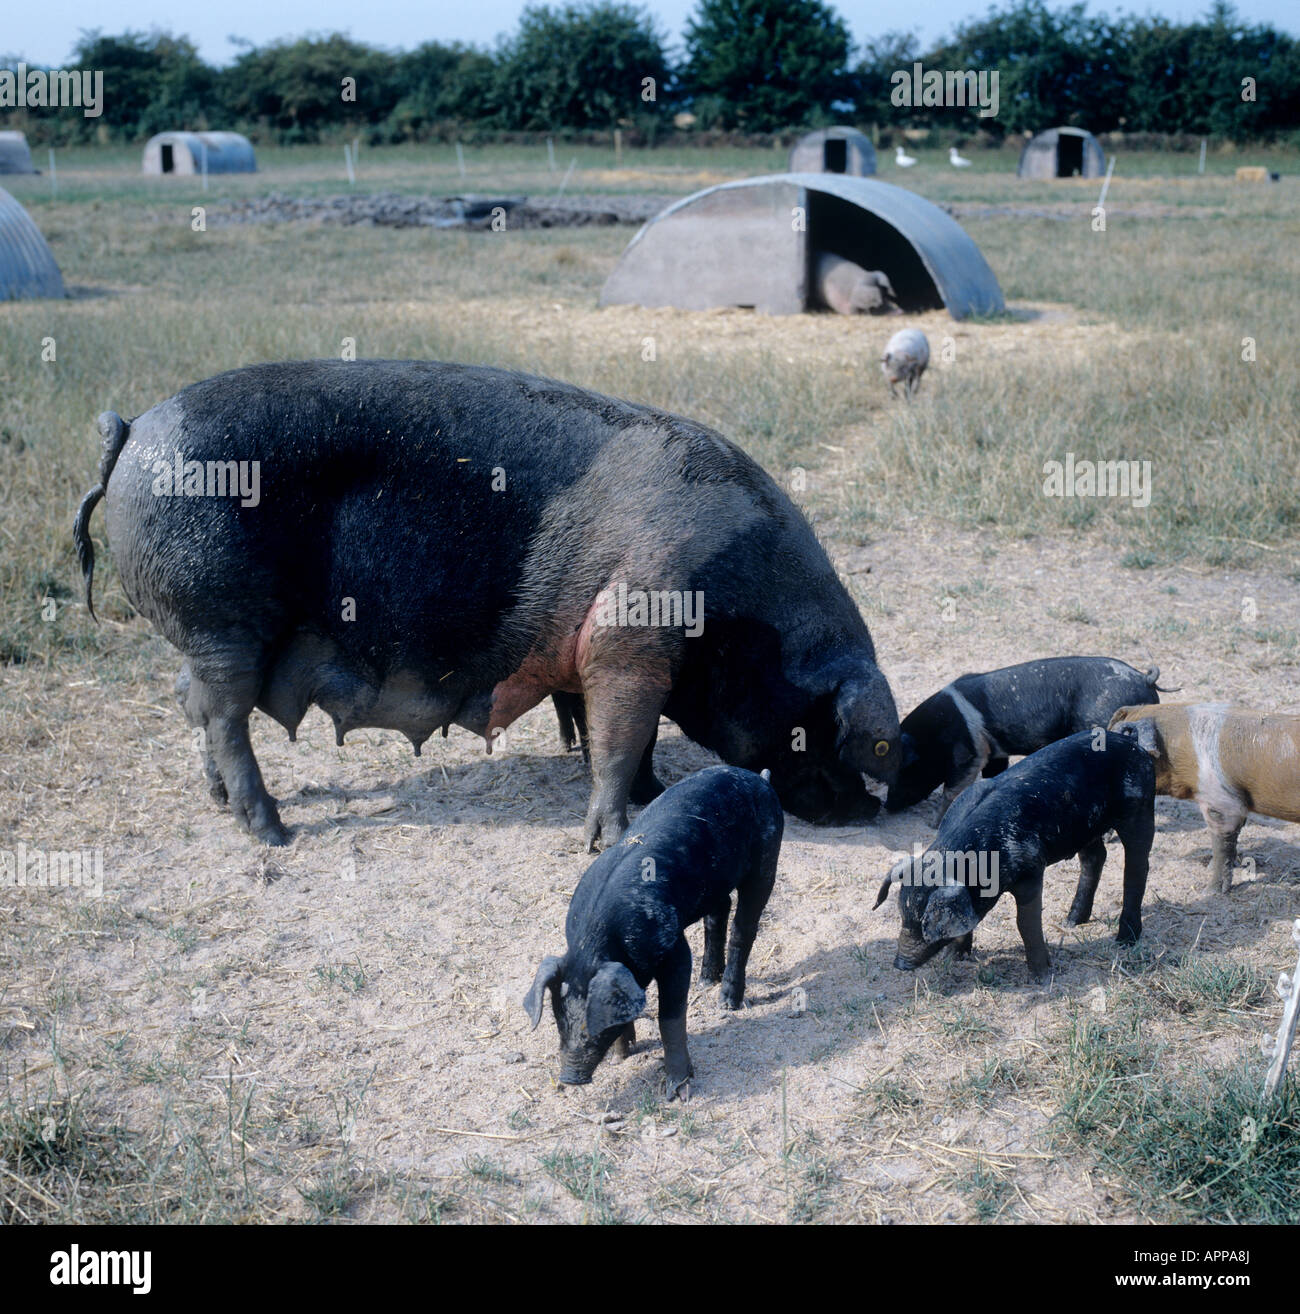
[613, 999]
[547, 975]
[948, 913]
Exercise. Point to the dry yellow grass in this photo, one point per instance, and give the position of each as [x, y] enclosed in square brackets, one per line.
[335, 1031]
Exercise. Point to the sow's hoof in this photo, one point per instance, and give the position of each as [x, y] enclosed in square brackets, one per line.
[677, 1086]
[265, 829]
[276, 835]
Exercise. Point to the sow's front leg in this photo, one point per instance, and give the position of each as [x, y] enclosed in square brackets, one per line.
[571, 713]
[624, 698]
[222, 708]
[646, 786]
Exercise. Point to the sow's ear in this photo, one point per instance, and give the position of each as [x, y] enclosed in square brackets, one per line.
[547, 975]
[613, 999]
[948, 913]
[863, 702]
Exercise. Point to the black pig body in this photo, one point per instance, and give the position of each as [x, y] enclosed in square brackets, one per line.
[717, 831]
[433, 544]
[976, 723]
[1055, 803]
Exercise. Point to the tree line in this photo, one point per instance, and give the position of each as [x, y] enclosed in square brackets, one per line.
[747, 66]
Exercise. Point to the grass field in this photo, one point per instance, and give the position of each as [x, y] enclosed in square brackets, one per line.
[227, 1035]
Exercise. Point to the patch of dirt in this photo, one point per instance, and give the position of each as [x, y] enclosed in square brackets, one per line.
[379, 963]
[396, 210]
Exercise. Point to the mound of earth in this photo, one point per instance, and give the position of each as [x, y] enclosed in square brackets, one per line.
[394, 210]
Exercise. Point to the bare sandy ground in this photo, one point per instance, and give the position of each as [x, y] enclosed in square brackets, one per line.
[361, 989]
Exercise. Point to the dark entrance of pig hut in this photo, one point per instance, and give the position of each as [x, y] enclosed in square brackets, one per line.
[1069, 155]
[845, 229]
[835, 155]
[168, 159]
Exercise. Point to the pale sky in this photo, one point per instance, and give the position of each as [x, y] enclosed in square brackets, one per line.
[44, 33]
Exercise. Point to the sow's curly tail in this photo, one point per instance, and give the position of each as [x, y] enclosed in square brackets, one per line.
[113, 433]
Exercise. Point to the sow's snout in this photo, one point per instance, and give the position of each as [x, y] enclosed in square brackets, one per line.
[828, 797]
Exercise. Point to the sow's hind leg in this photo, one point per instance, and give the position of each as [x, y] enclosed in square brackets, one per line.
[216, 786]
[221, 705]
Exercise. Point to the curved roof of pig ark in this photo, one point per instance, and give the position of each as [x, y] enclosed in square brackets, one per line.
[27, 265]
[182, 152]
[1062, 153]
[740, 244]
[14, 154]
[834, 150]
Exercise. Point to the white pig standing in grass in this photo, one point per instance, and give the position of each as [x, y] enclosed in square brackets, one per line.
[906, 355]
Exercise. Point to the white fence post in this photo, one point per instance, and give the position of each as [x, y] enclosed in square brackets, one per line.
[1105, 186]
[1279, 1046]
